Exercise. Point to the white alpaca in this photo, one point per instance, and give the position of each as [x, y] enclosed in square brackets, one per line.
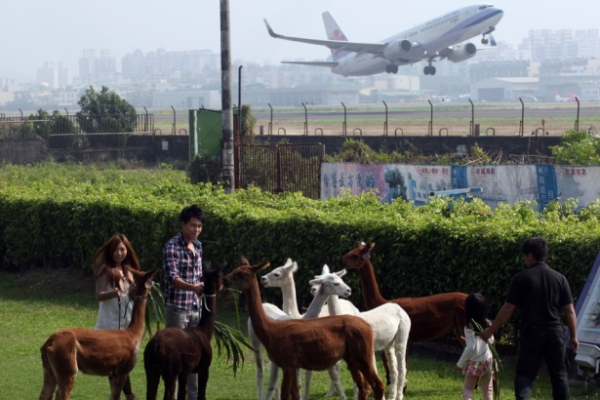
[328, 284]
[391, 326]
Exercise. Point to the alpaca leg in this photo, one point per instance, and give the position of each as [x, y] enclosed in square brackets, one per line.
[152, 382]
[182, 386]
[371, 377]
[289, 385]
[258, 359]
[272, 390]
[338, 368]
[400, 349]
[334, 377]
[65, 385]
[394, 393]
[259, 362]
[386, 366]
[170, 388]
[357, 377]
[203, 374]
[49, 386]
[116, 386]
[307, 378]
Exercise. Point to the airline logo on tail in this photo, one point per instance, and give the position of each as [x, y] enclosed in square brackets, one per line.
[334, 33]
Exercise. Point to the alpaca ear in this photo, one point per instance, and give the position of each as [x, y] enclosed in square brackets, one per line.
[317, 281]
[245, 261]
[288, 262]
[325, 269]
[341, 273]
[260, 267]
[295, 268]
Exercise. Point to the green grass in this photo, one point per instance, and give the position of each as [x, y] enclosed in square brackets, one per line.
[35, 303]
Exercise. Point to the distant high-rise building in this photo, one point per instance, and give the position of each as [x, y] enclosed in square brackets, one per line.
[543, 44]
[48, 75]
[163, 64]
[100, 70]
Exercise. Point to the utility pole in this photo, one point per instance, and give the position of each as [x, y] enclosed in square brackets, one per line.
[227, 167]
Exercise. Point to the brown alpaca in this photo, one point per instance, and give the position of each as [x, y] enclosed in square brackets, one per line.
[174, 353]
[431, 316]
[312, 344]
[111, 353]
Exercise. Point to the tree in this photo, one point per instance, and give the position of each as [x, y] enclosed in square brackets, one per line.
[105, 112]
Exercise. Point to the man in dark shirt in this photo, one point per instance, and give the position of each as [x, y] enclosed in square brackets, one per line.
[542, 295]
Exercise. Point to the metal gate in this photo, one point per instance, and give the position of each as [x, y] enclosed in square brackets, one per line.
[280, 168]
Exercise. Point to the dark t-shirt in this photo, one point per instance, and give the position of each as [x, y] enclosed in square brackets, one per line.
[540, 293]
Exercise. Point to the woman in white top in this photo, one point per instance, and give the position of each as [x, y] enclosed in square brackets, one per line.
[477, 360]
[113, 283]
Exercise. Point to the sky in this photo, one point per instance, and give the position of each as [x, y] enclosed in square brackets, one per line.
[35, 31]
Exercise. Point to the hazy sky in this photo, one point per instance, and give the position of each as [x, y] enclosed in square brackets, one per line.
[34, 31]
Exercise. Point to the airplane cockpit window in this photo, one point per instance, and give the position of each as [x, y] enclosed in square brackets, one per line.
[484, 6]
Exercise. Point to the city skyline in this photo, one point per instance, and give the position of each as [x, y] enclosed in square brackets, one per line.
[60, 31]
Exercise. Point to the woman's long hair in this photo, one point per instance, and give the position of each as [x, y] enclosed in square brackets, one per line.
[104, 256]
[476, 308]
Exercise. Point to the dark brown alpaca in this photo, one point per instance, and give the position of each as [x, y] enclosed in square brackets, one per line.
[174, 353]
[312, 344]
[431, 316]
[111, 352]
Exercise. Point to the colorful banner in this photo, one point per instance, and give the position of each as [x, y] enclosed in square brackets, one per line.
[500, 183]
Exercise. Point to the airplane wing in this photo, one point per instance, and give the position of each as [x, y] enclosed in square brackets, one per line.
[372, 48]
[330, 64]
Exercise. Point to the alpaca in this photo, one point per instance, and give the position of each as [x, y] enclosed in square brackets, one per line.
[431, 316]
[111, 352]
[174, 353]
[391, 327]
[315, 344]
[283, 277]
[273, 312]
[328, 284]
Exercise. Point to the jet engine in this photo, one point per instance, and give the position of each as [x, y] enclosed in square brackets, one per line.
[397, 49]
[460, 53]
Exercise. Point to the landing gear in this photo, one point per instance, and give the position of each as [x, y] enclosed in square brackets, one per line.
[430, 69]
[391, 68]
[484, 40]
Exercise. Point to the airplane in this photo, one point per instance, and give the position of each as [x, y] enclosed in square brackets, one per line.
[433, 40]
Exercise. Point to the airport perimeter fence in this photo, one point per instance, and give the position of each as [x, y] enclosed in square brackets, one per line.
[435, 119]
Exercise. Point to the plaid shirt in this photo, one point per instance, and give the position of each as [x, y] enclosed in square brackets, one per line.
[180, 262]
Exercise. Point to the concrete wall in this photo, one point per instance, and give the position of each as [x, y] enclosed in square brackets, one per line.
[22, 151]
[170, 149]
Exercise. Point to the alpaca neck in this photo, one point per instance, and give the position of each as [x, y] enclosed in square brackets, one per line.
[316, 305]
[138, 316]
[371, 293]
[333, 305]
[290, 304]
[261, 324]
[207, 321]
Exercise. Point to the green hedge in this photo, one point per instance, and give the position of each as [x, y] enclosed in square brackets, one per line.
[55, 215]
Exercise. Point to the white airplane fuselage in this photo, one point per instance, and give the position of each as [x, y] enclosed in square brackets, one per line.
[431, 38]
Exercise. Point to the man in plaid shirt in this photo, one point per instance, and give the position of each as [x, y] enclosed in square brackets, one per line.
[182, 271]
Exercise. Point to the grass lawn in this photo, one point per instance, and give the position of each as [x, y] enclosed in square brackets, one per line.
[35, 303]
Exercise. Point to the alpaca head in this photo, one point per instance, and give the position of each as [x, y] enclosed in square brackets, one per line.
[280, 275]
[243, 276]
[142, 281]
[357, 258]
[213, 280]
[330, 283]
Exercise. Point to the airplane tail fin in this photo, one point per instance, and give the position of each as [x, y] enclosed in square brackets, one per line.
[334, 33]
